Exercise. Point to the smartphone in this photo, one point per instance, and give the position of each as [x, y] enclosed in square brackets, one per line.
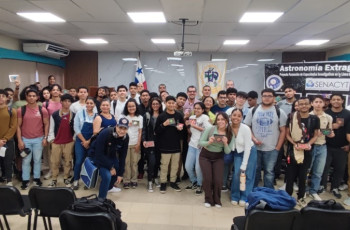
[326, 132]
[218, 137]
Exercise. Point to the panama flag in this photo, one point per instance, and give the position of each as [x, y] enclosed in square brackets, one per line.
[139, 76]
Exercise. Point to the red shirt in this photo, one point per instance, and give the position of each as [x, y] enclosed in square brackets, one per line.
[64, 133]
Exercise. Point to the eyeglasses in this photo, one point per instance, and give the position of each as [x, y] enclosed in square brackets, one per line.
[191, 91]
[267, 96]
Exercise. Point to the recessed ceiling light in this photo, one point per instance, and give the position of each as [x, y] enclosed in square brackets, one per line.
[236, 42]
[218, 59]
[163, 41]
[174, 58]
[129, 59]
[91, 41]
[260, 16]
[41, 16]
[311, 42]
[147, 17]
[266, 59]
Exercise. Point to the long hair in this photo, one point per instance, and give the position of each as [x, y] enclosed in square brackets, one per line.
[228, 128]
[126, 111]
[201, 104]
[160, 105]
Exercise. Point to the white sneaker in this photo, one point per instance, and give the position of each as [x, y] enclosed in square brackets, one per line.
[114, 189]
[295, 187]
[150, 186]
[347, 201]
[283, 187]
[218, 205]
[207, 205]
[343, 187]
[48, 175]
[9, 183]
[156, 182]
[242, 203]
[233, 202]
[315, 196]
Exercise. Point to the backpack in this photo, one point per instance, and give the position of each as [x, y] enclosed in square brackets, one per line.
[278, 111]
[23, 111]
[326, 204]
[93, 204]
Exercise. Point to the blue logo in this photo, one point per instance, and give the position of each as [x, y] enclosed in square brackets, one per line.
[274, 82]
[310, 84]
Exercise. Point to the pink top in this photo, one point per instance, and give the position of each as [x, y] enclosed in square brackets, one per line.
[53, 106]
[32, 123]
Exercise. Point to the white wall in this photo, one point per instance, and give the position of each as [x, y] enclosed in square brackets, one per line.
[9, 43]
[113, 71]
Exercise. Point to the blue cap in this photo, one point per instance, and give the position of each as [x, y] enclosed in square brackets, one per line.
[123, 122]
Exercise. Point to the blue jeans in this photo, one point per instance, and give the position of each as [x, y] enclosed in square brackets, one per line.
[80, 155]
[266, 160]
[228, 160]
[318, 161]
[192, 165]
[236, 194]
[107, 180]
[36, 151]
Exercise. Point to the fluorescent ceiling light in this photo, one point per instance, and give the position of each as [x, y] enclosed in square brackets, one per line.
[180, 70]
[174, 58]
[129, 59]
[311, 42]
[41, 17]
[93, 41]
[260, 16]
[218, 59]
[252, 64]
[147, 17]
[163, 41]
[236, 42]
[177, 65]
[242, 67]
[266, 59]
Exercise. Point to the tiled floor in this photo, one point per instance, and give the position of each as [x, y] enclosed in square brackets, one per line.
[142, 210]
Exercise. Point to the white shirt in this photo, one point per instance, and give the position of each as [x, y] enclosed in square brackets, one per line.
[201, 121]
[135, 124]
[243, 143]
[76, 107]
[119, 109]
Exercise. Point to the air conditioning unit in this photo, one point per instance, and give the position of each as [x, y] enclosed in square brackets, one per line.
[46, 49]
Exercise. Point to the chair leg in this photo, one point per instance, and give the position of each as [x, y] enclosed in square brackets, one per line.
[45, 224]
[50, 225]
[35, 219]
[6, 222]
[1, 226]
[29, 221]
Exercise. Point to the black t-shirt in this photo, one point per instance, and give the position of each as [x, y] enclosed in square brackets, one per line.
[340, 134]
[309, 125]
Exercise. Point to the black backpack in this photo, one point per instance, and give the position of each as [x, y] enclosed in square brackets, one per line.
[326, 204]
[93, 204]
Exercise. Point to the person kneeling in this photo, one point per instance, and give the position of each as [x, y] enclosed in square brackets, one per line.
[109, 152]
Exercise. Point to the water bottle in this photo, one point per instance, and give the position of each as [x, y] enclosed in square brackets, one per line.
[242, 180]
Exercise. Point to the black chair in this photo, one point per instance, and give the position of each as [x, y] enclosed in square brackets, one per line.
[320, 219]
[266, 219]
[13, 203]
[50, 202]
[71, 220]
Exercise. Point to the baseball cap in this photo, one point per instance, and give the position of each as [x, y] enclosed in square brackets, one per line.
[123, 122]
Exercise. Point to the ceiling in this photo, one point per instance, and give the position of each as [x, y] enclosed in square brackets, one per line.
[218, 21]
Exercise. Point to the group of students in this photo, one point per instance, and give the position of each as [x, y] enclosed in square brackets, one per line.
[216, 143]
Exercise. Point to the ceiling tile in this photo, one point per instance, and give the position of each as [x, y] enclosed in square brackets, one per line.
[224, 10]
[191, 9]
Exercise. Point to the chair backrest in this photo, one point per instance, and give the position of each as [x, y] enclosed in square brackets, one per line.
[315, 218]
[71, 220]
[51, 201]
[272, 220]
[11, 201]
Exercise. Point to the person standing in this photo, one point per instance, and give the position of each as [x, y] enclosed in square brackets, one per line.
[206, 91]
[337, 147]
[117, 107]
[231, 97]
[221, 105]
[169, 130]
[191, 100]
[8, 126]
[268, 128]
[32, 131]
[215, 143]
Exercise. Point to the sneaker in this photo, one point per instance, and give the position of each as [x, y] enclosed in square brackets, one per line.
[207, 205]
[9, 183]
[75, 185]
[321, 189]
[133, 185]
[67, 183]
[48, 175]
[150, 186]
[199, 190]
[53, 184]
[224, 189]
[178, 180]
[233, 202]
[283, 187]
[301, 202]
[193, 186]
[126, 186]
[37, 182]
[347, 201]
[218, 205]
[315, 196]
[336, 193]
[156, 183]
[175, 187]
[162, 187]
[343, 187]
[114, 190]
[25, 185]
[2, 179]
[184, 177]
[140, 176]
[242, 203]
[295, 187]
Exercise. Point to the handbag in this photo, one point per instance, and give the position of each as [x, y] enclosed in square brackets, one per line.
[89, 173]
